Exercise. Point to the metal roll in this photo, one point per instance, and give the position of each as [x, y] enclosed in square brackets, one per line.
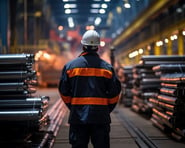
[20, 115]
[167, 99]
[21, 103]
[170, 68]
[20, 75]
[16, 59]
[163, 58]
[12, 86]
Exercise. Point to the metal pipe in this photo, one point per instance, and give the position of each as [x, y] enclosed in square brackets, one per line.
[17, 75]
[20, 115]
[14, 59]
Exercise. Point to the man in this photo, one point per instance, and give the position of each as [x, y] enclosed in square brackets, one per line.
[90, 90]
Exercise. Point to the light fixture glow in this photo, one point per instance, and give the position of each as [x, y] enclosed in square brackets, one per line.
[71, 22]
[104, 6]
[60, 28]
[140, 51]
[94, 10]
[166, 40]
[97, 21]
[95, 5]
[102, 11]
[67, 11]
[102, 43]
[183, 32]
[133, 54]
[127, 5]
[67, 6]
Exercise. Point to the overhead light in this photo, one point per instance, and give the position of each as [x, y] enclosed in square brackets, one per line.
[107, 0]
[140, 51]
[159, 43]
[70, 22]
[95, 5]
[67, 6]
[104, 6]
[179, 10]
[97, 21]
[127, 5]
[133, 54]
[69, 0]
[183, 32]
[175, 37]
[67, 11]
[94, 10]
[60, 28]
[102, 11]
[102, 43]
[118, 9]
[166, 40]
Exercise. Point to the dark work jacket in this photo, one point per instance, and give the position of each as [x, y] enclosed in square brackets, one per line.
[90, 89]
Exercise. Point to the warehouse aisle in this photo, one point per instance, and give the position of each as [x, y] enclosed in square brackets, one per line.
[121, 134]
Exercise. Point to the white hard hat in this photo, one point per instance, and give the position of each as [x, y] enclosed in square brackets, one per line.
[91, 38]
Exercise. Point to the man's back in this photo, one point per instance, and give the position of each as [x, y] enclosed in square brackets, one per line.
[90, 89]
[90, 82]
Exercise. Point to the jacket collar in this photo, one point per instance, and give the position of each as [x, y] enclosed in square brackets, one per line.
[88, 53]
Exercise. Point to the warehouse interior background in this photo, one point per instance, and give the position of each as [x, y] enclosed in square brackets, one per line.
[143, 39]
[52, 30]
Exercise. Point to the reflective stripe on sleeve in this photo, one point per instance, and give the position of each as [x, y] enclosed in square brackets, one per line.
[114, 100]
[66, 99]
[89, 72]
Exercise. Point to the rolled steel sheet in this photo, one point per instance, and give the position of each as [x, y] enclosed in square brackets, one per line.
[150, 86]
[168, 91]
[172, 85]
[16, 90]
[163, 58]
[169, 68]
[166, 106]
[167, 99]
[16, 59]
[37, 103]
[173, 78]
[150, 80]
[14, 86]
[20, 75]
[162, 122]
[20, 115]
[145, 75]
[160, 114]
[154, 63]
[16, 68]
[157, 124]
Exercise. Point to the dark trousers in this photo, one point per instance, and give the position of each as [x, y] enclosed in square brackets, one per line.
[79, 135]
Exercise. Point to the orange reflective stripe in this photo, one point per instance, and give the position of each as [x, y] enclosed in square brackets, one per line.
[89, 72]
[66, 99]
[114, 100]
[89, 101]
[94, 101]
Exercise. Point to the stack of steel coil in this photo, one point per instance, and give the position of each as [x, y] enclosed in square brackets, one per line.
[21, 112]
[169, 104]
[146, 84]
[127, 86]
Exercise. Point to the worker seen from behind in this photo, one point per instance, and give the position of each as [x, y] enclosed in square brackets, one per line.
[90, 89]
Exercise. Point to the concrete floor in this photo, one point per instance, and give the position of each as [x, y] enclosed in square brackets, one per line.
[120, 137]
